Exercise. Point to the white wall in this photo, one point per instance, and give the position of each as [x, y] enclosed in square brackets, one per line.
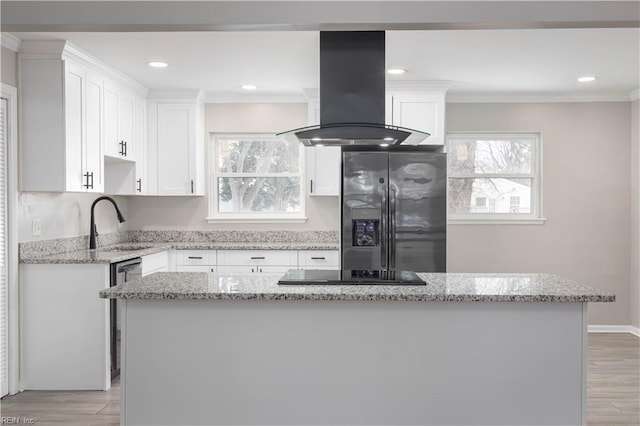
[189, 213]
[634, 290]
[586, 200]
[66, 215]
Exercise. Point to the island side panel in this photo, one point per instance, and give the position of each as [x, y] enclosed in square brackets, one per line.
[342, 362]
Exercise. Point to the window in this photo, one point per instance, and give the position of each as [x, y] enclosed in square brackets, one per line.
[255, 178]
[494, 177]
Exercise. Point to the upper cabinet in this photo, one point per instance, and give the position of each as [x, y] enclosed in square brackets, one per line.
[65, 107]
[175, 160]
[322, 163]
[421, 107]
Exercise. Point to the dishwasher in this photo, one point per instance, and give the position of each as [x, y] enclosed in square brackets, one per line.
[121, 272]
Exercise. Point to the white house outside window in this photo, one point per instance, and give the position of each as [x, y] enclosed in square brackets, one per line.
[494, 178]
[255, 178]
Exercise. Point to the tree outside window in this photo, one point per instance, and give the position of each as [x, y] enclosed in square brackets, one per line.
[255, 176]
[494, 176]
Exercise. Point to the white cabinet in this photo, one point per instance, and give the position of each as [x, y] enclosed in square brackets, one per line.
[257, 260]
[126, 168]
[74, 111]
[318, 259]
[323, 170]
[119, 122]
[156, 262]
[420, 110]
[322, 163]
[61, 126]
[64, 327]
[176, 147]
[195, 260]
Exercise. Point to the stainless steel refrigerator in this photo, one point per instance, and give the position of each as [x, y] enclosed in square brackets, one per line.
[394, 209]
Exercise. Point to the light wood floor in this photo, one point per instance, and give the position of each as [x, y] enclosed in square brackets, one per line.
[613, 392]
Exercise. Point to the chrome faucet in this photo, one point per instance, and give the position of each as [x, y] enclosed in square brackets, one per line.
[94, 232]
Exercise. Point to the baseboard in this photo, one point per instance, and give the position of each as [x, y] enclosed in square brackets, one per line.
[614, 329]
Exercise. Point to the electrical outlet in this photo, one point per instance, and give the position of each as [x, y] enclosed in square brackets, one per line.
[36, 229]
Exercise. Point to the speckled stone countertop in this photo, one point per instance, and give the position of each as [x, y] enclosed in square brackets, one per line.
[115, 253]
[441, 287]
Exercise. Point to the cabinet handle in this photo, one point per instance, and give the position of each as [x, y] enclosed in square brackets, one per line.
[139, 185]
[194, 257]
[125, 148]
[86, 185]
[319, 258]
[211, 269]
[257, 257]
[252, 270]
[121, 143]
[311, 186]
[91, 176]
[260, 269]
[192, 186]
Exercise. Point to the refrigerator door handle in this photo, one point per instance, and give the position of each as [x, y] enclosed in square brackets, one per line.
[383, 229]
[392, 226]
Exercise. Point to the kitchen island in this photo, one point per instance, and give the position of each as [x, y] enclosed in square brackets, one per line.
[213, 348]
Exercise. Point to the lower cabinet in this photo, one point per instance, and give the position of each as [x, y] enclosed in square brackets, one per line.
[65, 327]
[156, 262]
[252, 261]
[195, 260]
[257, 261]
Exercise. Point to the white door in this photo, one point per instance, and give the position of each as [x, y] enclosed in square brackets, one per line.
[176, 139]
[74, 131]
[4, 331]
[94, 161]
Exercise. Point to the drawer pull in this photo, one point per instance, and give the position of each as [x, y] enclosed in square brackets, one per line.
[257, 257]
[194, 257]
[319, 258]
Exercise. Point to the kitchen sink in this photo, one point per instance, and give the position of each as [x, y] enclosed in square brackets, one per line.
[126, 248]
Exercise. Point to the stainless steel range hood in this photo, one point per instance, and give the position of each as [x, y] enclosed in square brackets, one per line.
[352, 94]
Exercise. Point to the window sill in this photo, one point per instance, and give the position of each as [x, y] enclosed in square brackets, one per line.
[245, 219]
[481, 221]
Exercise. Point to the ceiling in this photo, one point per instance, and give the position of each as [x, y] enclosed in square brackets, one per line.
[539, 62]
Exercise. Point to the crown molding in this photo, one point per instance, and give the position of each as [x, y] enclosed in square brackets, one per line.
[538, 97]
[11, 42]
[213, 98]
[418, 85]
[186, 96]
[635, 95]
[62, 49]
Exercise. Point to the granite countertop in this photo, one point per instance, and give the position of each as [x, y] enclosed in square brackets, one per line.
[441, 287]
[114, 253]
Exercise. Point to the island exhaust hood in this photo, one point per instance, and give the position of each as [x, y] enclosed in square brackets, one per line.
[352, 94]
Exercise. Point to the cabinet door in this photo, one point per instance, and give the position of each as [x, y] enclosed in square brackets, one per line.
[74, 131]
[421, 112]
[140, 138]
[176, 142]
[323, 170]
[126, 125]
[111, 120]
[94, 161]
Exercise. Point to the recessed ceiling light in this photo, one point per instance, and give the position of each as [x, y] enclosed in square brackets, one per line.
[158, 64]
[384, 145]
[396, 71]
[388, 139]
[586, 79]
[319, 144]
[249, 86]
[316, 139]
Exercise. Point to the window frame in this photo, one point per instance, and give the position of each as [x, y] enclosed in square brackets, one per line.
[214, 216]
[536, 216]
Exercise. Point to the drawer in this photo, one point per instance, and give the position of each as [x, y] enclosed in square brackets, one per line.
[253, 269]
[321, 259]
[155, 262]
[258, 257]
[195, 268]
[195, 257]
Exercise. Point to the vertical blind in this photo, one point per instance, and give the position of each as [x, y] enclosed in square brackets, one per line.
[4, 335]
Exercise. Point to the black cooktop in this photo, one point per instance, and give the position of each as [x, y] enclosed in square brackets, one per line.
[349, 277]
